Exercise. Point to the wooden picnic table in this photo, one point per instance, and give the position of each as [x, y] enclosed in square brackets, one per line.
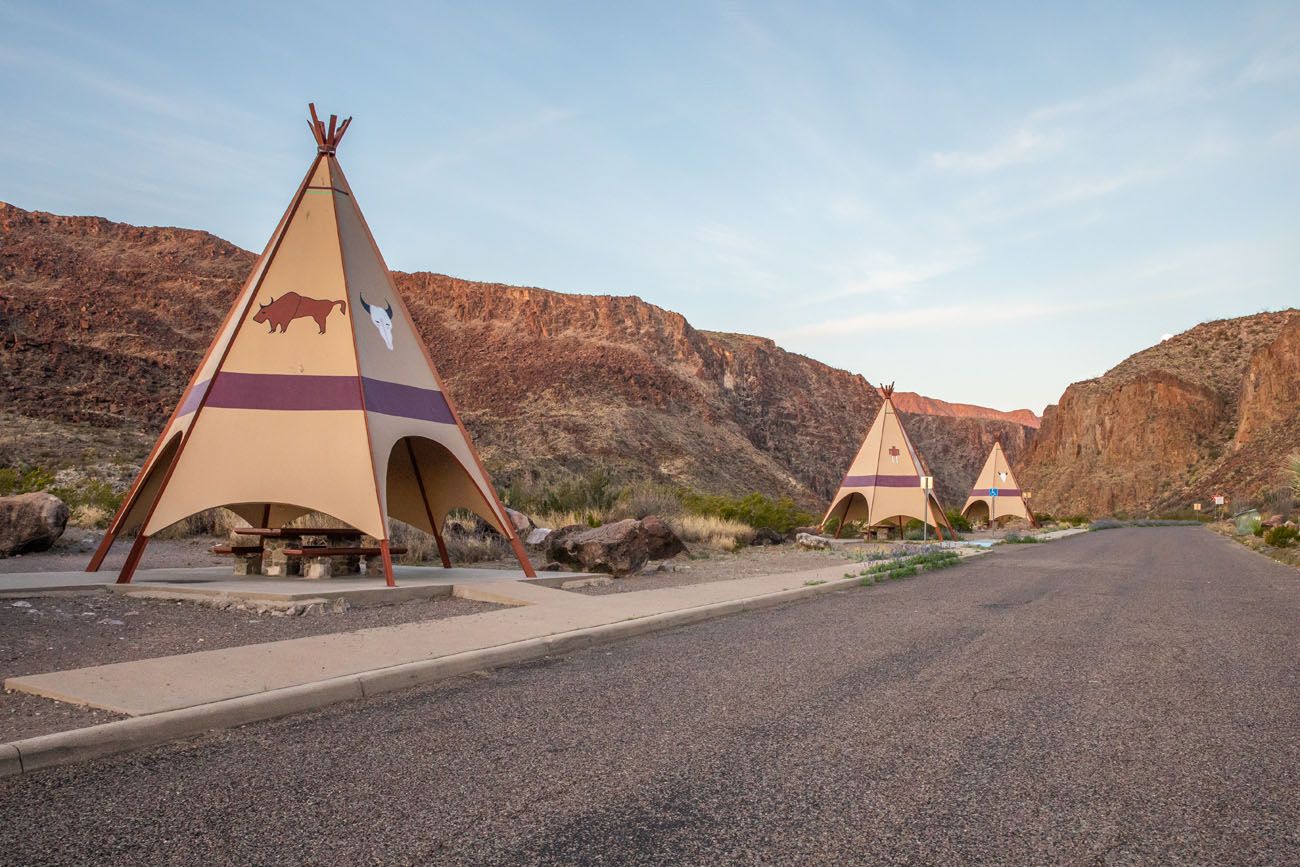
[310, 552]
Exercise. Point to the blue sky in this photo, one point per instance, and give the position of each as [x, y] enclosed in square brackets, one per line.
[981, 202]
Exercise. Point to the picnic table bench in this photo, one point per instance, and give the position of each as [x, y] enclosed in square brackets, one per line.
[308, 552]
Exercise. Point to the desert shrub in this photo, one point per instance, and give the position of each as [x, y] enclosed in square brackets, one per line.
[1293, 473]
[15, 480]
[1258, 532]
[1281, 537]
[711, 530]
[647, 498]
[756, 510]
[1105, 524]
[593, 492]
[420, 546]
[93, 495]
[1076, 520]
[958, 521]
[1015, 538]
[1044, 518]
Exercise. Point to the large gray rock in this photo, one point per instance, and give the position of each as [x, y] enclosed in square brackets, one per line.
[620, 548]
[809, 542]
[30, 522]
[522, 523]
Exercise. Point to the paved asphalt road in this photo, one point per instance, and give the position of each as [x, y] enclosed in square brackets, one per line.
[1121, 697]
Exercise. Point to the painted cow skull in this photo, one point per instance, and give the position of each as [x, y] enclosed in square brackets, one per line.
[382, 319]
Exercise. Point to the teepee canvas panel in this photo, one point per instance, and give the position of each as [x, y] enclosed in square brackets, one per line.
[996, 493]
[317, 394]
[883, 483]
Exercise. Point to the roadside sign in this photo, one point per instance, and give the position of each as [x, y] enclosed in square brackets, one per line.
[993, 492]
[1196, 507]
[1219, 499]
[927, 483]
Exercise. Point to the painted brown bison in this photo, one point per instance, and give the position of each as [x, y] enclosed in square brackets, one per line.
[290, 306]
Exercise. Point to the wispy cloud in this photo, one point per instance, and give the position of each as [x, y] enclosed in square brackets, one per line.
[885, 273]
[1023, 145]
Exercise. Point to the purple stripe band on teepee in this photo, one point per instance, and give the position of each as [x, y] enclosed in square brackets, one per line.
[299, 392]
[881, 482]
[1002, 492]
[283, 391]
[407, 401]
[192, 398]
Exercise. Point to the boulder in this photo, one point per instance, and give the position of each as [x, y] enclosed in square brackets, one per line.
[661, 542]
[30, 522]
[1275, 521]
[522, 523]
[619, 548]
[809, 542]
[538, 536]
[767, 536]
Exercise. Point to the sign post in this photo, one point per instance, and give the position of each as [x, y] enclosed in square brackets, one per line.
[1219, 500]
[927, 485]
[993, 502]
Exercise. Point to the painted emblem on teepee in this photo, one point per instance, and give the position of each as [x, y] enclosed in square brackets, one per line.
[290, 306]
[894, 453]
[1002, 476]
[382, 319]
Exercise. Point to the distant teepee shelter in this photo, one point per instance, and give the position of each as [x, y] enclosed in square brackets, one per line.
[317, 394]
[883, 484]
[996, 494]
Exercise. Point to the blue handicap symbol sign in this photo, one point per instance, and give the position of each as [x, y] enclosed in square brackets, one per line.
[993, 492]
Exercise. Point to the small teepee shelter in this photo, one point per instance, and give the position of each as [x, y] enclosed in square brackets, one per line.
[317, 394]
[883, 484]
[996, 494]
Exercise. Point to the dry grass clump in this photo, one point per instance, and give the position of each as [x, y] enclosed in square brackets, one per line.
[90, 517]
[556, 520]
[711, 530]
[1293, 470]
[420, 546]
[647, 498]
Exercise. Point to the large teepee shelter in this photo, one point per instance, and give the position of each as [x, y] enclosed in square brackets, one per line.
[996, 494]
[883, 484]
[317, 394]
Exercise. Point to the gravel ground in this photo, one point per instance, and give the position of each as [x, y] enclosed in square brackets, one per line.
[722, 566]
[74, 548]
[1128, 697]
[59, 632]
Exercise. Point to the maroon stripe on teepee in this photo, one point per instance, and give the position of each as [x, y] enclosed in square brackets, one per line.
[881, 482]
[1002, 492]
[283, 391]
[407, 401]
[193, 398]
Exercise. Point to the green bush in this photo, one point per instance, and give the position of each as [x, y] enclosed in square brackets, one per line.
[594, 493]
[756, 510]
[1281, 537]
[958, 521]
[1014, 538]
[24, 481]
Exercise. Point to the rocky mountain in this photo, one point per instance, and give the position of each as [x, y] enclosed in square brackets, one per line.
[101, 324]
[1212, 410]
[910, 401]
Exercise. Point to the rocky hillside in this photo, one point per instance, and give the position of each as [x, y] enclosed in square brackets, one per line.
[1214, 409]
[101, 324]
[910, 401]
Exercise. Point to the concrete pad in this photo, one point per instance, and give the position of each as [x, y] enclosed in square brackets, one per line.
[219, 583]
[173, 682]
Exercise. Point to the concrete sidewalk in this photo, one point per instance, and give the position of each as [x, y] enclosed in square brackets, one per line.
[171, 683]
